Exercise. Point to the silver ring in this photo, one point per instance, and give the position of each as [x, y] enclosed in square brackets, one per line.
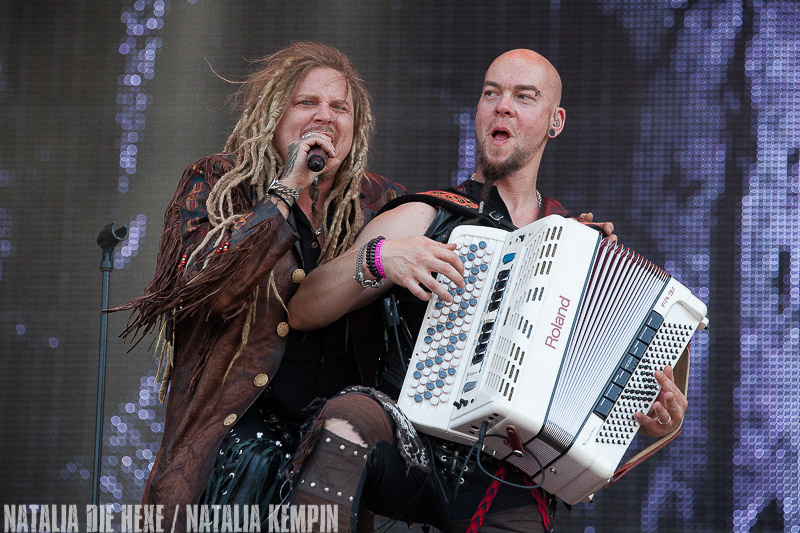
[665, 423]
[307, 134]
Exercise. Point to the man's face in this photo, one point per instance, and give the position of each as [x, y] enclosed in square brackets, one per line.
[322, 103]
[516, 109]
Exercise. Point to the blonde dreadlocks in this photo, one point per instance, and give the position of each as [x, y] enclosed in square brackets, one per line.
[265, 96]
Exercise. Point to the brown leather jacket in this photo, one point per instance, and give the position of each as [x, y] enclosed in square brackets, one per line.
[212, 382]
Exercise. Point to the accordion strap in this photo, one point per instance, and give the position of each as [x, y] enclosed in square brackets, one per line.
[454, 202]
[681, 374]
[450, 199]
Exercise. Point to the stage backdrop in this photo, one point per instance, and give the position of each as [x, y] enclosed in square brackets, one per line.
[682, 129]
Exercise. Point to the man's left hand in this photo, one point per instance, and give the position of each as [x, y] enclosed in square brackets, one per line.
[669, 408]
[607, 227]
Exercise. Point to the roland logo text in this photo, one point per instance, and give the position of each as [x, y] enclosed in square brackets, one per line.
[558, 324]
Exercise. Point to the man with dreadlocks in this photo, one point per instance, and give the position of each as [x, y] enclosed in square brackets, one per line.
[241, 232]
[518, 112]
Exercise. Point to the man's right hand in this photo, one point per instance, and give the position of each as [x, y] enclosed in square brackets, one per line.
[408, 258]
[413, 261]
[296, 173]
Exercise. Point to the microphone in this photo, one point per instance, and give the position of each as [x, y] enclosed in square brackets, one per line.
[316, 158]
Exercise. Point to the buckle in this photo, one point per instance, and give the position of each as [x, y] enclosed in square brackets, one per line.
[367, 283]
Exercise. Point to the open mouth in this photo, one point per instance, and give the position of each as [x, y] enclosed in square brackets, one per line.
[500, 134]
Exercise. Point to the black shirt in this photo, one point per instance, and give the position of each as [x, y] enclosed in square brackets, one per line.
[316, 364]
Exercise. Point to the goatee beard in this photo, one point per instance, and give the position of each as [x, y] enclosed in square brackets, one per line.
[493, 171]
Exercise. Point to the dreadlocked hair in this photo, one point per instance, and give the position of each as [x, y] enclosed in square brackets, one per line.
[264, 97]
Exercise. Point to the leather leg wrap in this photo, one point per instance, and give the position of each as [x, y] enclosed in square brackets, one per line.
[365, 416]
[363, 413]
[334, 475]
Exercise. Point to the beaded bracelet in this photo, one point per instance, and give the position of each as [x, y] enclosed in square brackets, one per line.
[378, 260]
[371, 257]
[359, 277]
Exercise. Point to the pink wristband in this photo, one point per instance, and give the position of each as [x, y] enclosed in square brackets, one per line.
[378, 262]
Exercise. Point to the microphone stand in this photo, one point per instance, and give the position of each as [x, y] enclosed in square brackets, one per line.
[107, 240]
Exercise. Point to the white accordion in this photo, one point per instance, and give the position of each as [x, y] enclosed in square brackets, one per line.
[552, 345]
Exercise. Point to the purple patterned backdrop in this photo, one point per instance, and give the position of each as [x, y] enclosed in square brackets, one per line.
[683, 127]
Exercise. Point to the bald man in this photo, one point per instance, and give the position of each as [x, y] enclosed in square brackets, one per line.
[421, 478]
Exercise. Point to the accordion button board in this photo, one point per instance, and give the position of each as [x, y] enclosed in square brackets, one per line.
[555, 335]
[446, 329]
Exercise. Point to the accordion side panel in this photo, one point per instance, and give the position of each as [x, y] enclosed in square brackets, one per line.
[546, 284]
[550, 323]
[441, 363]
[611, 435]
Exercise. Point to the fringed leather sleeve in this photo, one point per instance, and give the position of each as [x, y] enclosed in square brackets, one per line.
[221, 278]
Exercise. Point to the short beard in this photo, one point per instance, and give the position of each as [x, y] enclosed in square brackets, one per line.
[495, 171]
[492, 172]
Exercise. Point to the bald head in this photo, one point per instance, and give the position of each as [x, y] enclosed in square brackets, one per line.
[517, 113]
[531, 68]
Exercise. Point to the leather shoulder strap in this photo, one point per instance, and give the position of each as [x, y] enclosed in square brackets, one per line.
[449, 200]
[453, 202]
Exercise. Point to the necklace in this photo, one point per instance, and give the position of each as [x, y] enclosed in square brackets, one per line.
[314, 210]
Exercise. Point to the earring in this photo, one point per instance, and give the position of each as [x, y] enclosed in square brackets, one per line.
[551, 132]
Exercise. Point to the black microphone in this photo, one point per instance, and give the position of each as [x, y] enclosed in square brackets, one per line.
[316, 158]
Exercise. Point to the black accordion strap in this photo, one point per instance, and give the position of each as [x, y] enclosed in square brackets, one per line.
[454, 202]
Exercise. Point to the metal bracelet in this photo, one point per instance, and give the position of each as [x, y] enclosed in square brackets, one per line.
[276, 185]
[359, 277]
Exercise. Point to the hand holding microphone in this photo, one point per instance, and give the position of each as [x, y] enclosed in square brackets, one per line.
[317, 157]
[320, 155]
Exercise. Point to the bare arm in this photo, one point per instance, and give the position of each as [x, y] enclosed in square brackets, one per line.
[409, 259]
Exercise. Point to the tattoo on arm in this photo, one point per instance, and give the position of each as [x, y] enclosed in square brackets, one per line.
[291, 159]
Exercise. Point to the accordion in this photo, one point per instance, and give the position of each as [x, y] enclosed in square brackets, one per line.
[548, 351]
